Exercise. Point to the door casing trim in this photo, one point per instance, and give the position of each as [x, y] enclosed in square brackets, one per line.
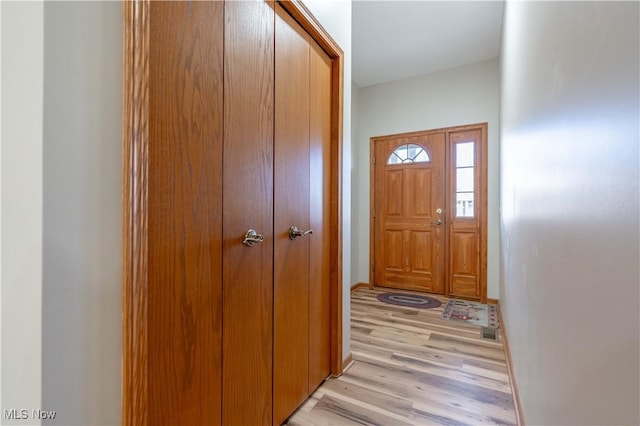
[483, 204]
[135, 381]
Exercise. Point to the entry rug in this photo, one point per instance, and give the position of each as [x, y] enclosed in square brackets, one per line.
[471, 312]
[410, 300]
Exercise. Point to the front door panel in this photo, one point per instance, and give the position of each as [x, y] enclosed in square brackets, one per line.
[409, 251]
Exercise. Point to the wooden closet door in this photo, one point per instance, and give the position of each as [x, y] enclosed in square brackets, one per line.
[302, 332]
[248, 204]
[185, 214]
[319, 213]
[291, 275]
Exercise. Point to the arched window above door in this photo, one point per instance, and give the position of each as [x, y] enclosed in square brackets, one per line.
[409, 153]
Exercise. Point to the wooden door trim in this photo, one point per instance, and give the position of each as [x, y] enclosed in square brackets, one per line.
[135, 214]
[484, 209]
[483, 206]
[136, 208]
[372, 210]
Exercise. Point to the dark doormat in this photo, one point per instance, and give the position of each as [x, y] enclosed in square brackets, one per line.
[409, 300]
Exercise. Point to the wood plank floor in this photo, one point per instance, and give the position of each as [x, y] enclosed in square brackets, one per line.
[413, 368]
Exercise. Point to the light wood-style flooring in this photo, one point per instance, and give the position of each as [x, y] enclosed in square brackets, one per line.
[413, 368]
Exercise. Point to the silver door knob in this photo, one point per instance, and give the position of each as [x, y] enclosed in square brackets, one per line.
[438, 222]
[295, 233]
[252, 237]
[439, 211]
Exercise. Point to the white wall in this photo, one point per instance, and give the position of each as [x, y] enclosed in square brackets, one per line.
[464, 95]
[81, 345]
[0, 208]
[22, 67]
[355, 229]
[61, 209]
[570, 209]
[335, 17]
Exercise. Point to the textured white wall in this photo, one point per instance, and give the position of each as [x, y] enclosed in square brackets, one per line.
[464, 95]
[570, 209]
[22, 67]
[335, 17]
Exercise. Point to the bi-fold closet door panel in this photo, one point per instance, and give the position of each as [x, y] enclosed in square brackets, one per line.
[210, 310]
[248, 204]
[239, 139]
[301, 193]
[291, 274]
[184, 288]
[319, 214]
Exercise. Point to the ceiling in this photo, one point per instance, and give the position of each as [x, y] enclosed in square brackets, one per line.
[398, 39]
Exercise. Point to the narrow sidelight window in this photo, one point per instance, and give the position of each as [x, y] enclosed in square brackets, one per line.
[465, 185]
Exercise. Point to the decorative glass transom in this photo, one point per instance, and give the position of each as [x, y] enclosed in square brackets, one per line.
[409, 153]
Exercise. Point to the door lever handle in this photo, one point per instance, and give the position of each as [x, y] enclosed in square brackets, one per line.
[252, 237]
[295, 233]
[438, 222]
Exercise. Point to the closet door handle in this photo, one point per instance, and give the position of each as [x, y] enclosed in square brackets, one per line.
[295, 233]
[252, 237]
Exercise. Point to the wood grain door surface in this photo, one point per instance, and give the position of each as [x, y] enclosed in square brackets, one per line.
[301, 276]
[185, 213]
[319, 216]
[291, 278]
[248, 204]
[240, 138]
[409, 238]
[466, 271]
